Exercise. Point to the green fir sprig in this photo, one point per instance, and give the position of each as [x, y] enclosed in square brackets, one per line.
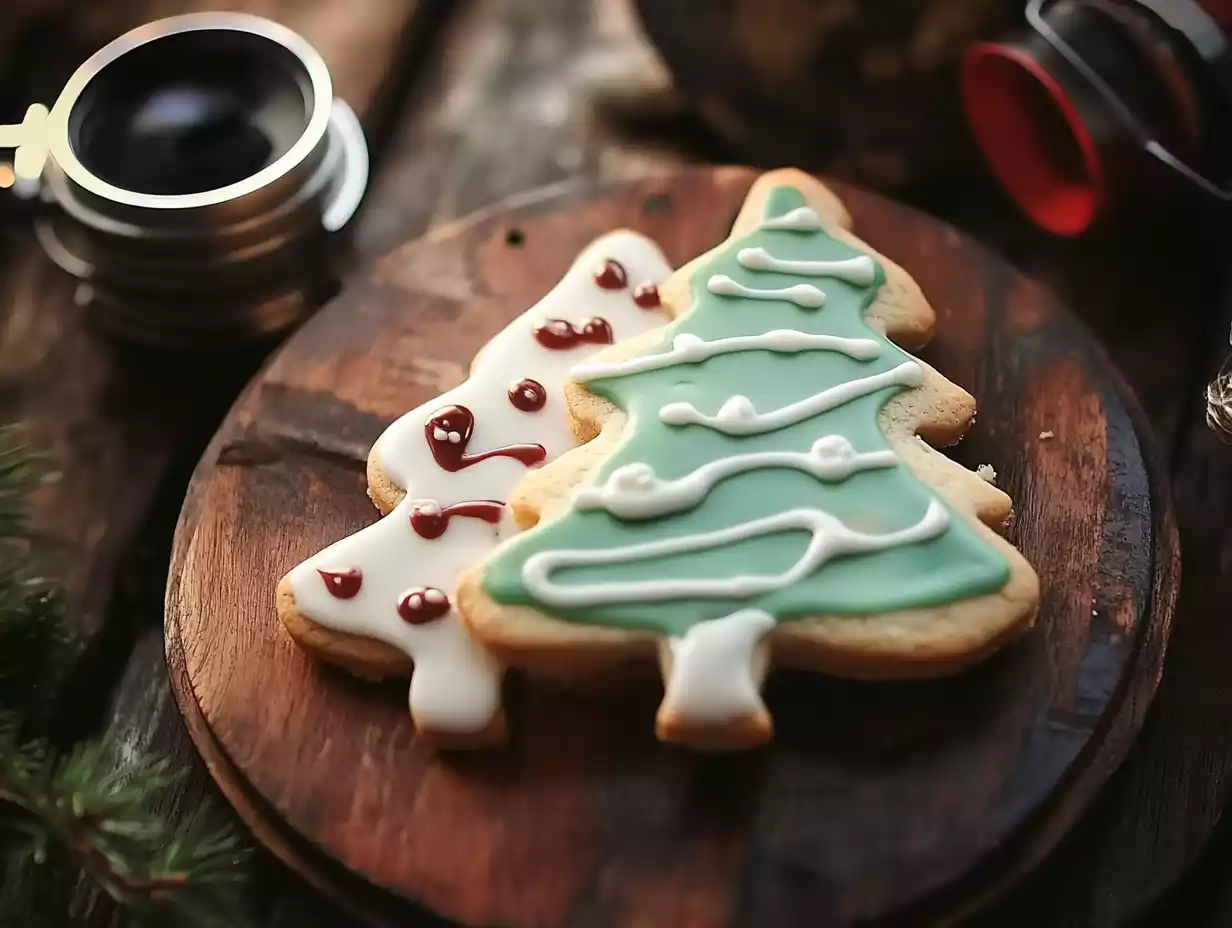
[93, 804]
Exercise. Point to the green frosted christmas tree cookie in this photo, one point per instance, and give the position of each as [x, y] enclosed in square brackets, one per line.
[757, 489]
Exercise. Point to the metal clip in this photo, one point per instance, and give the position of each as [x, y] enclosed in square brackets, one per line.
[30, 145]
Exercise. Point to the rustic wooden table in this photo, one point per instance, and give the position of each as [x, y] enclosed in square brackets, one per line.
[466, 103]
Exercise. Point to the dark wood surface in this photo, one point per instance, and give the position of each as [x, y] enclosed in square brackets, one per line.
[585, 808]
[570, 88]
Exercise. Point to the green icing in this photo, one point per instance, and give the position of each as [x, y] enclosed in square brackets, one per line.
[954, 565]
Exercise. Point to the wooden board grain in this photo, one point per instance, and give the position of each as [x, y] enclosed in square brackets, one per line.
[912, 798]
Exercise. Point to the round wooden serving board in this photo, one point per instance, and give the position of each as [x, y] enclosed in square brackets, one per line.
[876, 801]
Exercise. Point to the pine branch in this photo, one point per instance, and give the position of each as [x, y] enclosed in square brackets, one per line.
[97, 810]
[89, 806]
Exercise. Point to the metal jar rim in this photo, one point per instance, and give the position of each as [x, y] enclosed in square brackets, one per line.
[60, 148]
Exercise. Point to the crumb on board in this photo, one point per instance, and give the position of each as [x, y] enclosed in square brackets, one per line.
[986, 473]
[1044, 436]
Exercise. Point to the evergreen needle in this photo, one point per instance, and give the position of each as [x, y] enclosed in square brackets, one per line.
[87, 804]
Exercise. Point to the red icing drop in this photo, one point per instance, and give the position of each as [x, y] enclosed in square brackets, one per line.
[343, 584]
[417, 609]
[561, 334]
[430, 520]
[528, 395]
[646, 296]
[460, 422]
[611, 275]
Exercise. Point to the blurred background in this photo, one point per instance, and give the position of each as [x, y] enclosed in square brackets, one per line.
[1035, 139]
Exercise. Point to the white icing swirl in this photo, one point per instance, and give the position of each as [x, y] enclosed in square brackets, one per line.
[738, 417]
[804, 295]
[800, 219]
[830, 539]
[633, 492]
[689, 349]
[860, 271]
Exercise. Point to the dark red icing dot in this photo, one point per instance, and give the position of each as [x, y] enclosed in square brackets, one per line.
[430, 521]
[448, 432]
[561, 334]
[611, 275]
[343, 584]
[528, 395]
[646, 296]
[422, 604]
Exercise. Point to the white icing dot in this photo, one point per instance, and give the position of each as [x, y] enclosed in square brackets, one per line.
[833, 447]
[434, 596]
[631, 476]
[416, 601]
[806, 295]
[737, 409]
[676, 414]
[427, 507]
[439, 433]
[454, 438]
[685, 340]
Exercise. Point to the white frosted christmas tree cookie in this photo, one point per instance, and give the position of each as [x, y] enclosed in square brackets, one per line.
[510, 414]
[759, 489]
[381, 601]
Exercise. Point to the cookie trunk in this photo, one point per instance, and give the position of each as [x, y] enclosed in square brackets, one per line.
[712, 680]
